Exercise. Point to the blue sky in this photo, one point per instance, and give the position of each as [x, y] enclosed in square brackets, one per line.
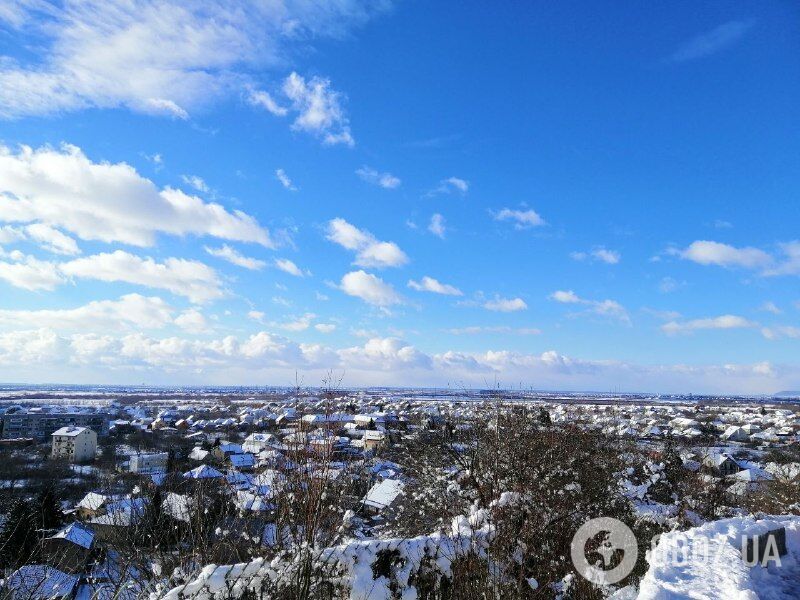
[571, 196]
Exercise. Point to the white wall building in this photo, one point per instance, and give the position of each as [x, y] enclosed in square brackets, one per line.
[149, 463]
[76, 444]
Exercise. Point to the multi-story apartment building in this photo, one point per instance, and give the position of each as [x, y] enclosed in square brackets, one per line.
[40, 425]
[76, 444]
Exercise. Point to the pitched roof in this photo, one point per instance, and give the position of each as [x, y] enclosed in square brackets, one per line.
[77, 533]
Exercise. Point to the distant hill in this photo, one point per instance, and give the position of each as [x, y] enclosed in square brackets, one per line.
[789, 394]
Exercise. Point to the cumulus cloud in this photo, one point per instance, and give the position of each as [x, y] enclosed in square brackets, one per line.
[707, 252]
[50, 239]
[371, 289]
[429, 284]
[603, 308]
[384, 180]
[192, 321]
[319, 109]
[234, 257]
[499, 304]
[712, 41]
[370, 252]
[190, 278]
[325, 327]
[30, 273]
[385, 361]
[522, 219]
[436, 226]
[110, 53]
[721, 322]
[130, 311]
[108, 202]
[503, 329]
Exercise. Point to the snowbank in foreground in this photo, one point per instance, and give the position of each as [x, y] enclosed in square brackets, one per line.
[706, 563]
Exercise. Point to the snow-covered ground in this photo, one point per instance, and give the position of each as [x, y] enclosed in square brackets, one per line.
[706, 563]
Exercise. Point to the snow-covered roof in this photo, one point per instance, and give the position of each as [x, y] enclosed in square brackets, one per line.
[77, 533]
[384, 493]
[40, 582]
[70, 431]
[203, 472]
[242, 460]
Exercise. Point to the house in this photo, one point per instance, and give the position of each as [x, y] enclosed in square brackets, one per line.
[256, 442]
[69, 549]
[721, 464]
[225, 449]
[242, 462]
[75, 444]
[203, 472]
[119, 517]
[149, 463]
[735, 434]
[382, 495]
[374, 440]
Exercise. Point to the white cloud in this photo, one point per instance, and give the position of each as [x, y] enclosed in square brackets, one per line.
[610, 257]
[256, 315]
[298, 324]
[319, 109]
[325, 327]
[233, 256]
[454, 183]
[782, 331]
[669, 284]
[721, 322]
[110, 53]
[565, 297]
[500, 329]
[52, 239]
[790, 265]
[385, 354]
[108, 202]
[712, 41]
[771, 307]
[287, 266]
[429, 284]
[49, 238]
[285, 180]
[130, 311]
[384, 180]
[436, 226]
[522, 219]
[379, 361]
[505, 304]
[30, 273]
[450, 185]
[196, 182]
[371, 289]
[370, 252]
[602, 308]
[706, 252]
[266, 101]
[188, 278]
[192, 321]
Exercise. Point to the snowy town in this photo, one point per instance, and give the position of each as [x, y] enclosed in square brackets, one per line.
[374, 494]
